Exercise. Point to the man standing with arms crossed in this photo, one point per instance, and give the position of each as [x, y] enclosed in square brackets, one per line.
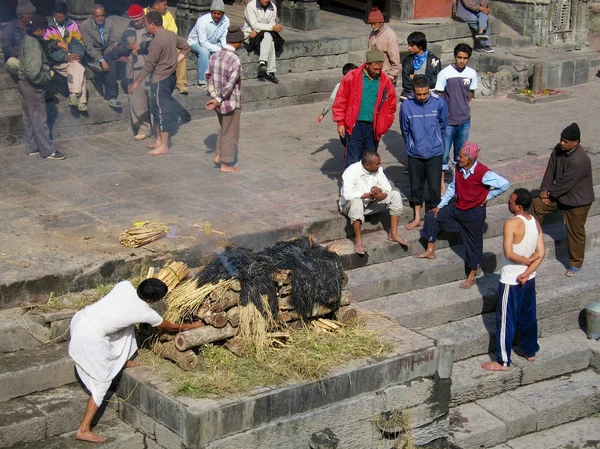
[161, 64]
[224, 76]
[516, 310]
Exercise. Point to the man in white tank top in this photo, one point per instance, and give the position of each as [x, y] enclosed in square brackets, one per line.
[516, 309]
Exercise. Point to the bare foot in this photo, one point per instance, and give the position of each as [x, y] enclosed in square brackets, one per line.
[162, 149]
[397, 238]
[494, 366]
[530, 359]
[152, 145]
[468, 283]
[229, 169]
[89, 436]
[425, 255]
[217, 159]
[132, 364]
[359, 249]
[416, 223]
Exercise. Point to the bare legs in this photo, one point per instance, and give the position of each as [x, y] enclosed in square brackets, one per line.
[470, 281]
[358, 246]
[393, 237]
[84, 433]
[161, 144]
[430, 254]
[416, 222]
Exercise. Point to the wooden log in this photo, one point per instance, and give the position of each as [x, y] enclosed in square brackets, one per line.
[218, 319]
[224, 300]
[346, 298]
[202, 336]
[285, 303]
[235, 345]
[236, 286]
[285, 290]
[346, 314]
[165, 337]
[186, 360]
[233, 316]
[344, 279]
[282, 277]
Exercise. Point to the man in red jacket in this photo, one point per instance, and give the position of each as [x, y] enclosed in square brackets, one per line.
[364, 107]
[473, 186]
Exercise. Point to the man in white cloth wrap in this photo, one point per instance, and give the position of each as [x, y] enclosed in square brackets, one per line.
[103, 340]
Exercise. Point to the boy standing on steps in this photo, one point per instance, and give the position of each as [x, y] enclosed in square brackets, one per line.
[516, 309]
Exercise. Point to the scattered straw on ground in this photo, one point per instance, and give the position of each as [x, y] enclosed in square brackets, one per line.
[308, 356]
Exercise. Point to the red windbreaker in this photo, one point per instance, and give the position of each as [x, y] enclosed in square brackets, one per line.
[347, 102]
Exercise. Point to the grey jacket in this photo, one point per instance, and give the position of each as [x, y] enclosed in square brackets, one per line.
[134, 63]
[95, 44]
[33, 64]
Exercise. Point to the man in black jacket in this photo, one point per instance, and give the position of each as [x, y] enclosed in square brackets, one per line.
[568, 186]
[419, 62]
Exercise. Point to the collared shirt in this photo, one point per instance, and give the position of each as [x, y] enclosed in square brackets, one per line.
[356, 181]
[209, 34]
[368, 98]
[498, 184]
[224, 79]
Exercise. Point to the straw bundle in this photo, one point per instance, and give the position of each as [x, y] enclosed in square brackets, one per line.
[142, 235]
[186, 300]
[173, 273]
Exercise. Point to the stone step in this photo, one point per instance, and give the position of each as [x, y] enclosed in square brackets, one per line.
[293, 89]
[379, 249]
[559, 304]
[119, 436]
[406, 275]
[581, 434]
[439, 305]
[37, 369]
[532, 408]
[559, 354]
[24, 330]
[44, 415]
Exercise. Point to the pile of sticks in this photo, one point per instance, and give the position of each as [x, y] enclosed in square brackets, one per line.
[220, 315]
[143, 234]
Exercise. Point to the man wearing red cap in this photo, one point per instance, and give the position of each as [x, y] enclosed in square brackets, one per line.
[385, 39]
[473, 186]
[135, 41]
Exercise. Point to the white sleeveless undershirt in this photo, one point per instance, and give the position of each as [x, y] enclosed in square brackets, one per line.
[525, 248]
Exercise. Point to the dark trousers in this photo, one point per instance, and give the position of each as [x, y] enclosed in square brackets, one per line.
[111, 90]
[468, 222]
[163, 109]
[35, 120]
[575, 218]
[420, 170]
[516, 312]
[362, 138]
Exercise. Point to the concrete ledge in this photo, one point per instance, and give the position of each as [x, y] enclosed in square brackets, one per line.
[539, 99]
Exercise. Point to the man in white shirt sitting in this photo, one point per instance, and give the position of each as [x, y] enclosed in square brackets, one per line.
[208, 36]
[365, 191]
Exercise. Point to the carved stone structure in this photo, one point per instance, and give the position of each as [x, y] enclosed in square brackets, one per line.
[547, 22]
[300, 14]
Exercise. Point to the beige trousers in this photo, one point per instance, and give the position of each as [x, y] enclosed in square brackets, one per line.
[74, 72]
[12, 65]
[181, 73]
[139, 108]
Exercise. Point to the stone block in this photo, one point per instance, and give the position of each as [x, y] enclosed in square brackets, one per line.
[167, 438]
[471, 382]
[551, 75]
[567, 74]
[582, 71]
[503, 83]
[137, 419]
[15, 336]
[472, 427]
[594, 346]
[59, 331]
[516, 415]
[20, 422]
[446, 358]
[563, 399]
[558, 323]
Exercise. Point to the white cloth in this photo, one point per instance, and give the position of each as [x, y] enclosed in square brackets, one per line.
[257, 18]
[103, 336]
[356, 181]
[525, 248]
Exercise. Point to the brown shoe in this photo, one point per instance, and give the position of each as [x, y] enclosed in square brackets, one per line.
[182, 89]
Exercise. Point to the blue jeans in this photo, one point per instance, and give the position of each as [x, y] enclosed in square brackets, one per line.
[478, 22]
[457, 135]
[203, 55]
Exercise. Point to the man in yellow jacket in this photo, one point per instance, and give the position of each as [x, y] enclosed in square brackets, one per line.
[169, 24]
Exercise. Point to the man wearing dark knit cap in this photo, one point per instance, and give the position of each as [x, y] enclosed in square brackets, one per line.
[223, 79]
[364, 107]
[568, 186]
[473, 186]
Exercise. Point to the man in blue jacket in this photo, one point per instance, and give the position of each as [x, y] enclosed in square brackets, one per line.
[423, 118]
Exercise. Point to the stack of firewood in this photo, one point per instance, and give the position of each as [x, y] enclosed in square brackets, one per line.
[218, 307]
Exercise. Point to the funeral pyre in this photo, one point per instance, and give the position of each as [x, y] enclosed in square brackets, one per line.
[246, 300]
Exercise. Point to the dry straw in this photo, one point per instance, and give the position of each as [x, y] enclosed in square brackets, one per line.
[143, 234]
[185, 300]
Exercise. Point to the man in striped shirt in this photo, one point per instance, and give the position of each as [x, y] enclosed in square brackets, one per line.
[223, 79]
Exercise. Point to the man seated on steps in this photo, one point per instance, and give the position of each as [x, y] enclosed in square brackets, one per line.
[103, 340]
[365, 191]
[65, 52]
[12, 35]
[473, 186]
[476, 13]
[515, 310]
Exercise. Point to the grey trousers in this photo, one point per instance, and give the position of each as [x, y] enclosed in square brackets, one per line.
[228, 135]
[35, 120]
[139, 106]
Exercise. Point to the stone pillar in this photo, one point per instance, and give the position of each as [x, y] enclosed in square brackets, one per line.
[80, 9]
[581, 22]
[402, 9]
[300, 14]
[188, 12]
